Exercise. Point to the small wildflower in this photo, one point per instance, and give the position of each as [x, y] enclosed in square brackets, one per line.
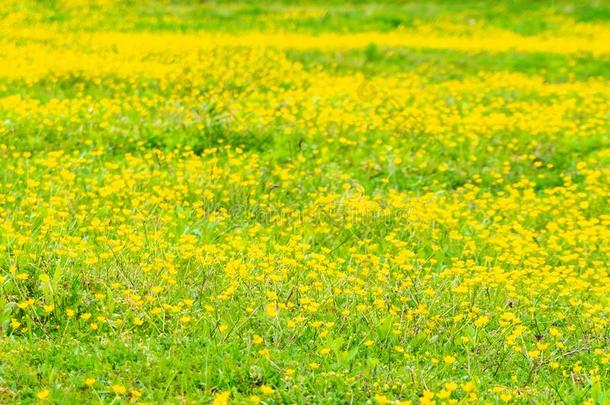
[267, 390]
[43, 395]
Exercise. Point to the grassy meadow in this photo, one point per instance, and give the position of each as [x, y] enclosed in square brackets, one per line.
[304, 202]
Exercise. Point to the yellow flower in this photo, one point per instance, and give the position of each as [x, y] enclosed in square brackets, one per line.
[443, 394]
[26, 303]
[118, 389]
[451, 386]
[222, 398]
[267, 390]
[90, 381]
[271, 310]
[382, 399]
[43, 395]
[468, 387]
[481, 321]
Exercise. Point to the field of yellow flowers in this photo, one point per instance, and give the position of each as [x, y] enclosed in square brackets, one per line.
[382, 203]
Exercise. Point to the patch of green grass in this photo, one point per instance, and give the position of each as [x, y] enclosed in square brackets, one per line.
[181, 222]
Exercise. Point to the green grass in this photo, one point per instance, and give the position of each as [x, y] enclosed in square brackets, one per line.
[383, 219]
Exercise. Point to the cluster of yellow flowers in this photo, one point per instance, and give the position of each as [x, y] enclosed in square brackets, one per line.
[405, 237]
